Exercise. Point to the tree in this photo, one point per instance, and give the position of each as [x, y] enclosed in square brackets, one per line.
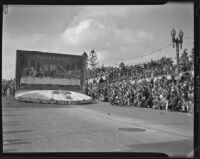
[184, 61]
[192, 59]
[192, 55]
[169, 61]
[122, 68]
[93, 60]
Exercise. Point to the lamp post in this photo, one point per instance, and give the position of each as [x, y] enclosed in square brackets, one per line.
[177, 41]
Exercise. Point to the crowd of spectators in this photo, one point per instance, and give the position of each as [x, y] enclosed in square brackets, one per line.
[8, 87]
[140, 86]
[162, 66]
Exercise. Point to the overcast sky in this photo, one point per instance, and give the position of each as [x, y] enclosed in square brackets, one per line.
[118, 33]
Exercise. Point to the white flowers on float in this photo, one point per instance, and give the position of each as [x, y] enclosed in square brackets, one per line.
[53, 97]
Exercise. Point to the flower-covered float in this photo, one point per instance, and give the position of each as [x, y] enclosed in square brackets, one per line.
[53, 97]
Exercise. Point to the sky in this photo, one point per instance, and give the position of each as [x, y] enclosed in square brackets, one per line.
[117, 33]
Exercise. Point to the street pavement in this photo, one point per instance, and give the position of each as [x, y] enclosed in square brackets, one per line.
[97, 127]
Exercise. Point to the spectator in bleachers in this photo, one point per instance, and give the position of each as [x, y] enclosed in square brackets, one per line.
[153, 93]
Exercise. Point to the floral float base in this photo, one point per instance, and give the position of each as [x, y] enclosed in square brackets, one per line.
[53, 97]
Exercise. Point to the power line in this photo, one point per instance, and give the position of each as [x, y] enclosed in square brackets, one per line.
[152, 52]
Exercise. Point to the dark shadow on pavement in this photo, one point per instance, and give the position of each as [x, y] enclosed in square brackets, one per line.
[10, 123]
[177, 148]
[11, 109]
[19, 143]
[13, 115]
[15, 142]
[17, 131]
[132, 129]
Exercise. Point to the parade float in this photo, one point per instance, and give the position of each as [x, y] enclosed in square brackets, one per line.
[51, 78]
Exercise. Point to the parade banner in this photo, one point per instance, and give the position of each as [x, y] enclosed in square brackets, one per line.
[41, 70]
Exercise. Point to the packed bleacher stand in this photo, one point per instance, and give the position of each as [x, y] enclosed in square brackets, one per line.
[152, 84]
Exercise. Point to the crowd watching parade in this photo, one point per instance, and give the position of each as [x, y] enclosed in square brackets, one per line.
[8, 87]
[149, 85]
[152, 84]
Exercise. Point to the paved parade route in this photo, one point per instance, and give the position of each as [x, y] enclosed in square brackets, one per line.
[98, 127]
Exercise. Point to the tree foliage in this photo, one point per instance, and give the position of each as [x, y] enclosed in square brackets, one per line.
[122, 68]
[192, 59]
[93, 60]
[192, 55]
[184, 61]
